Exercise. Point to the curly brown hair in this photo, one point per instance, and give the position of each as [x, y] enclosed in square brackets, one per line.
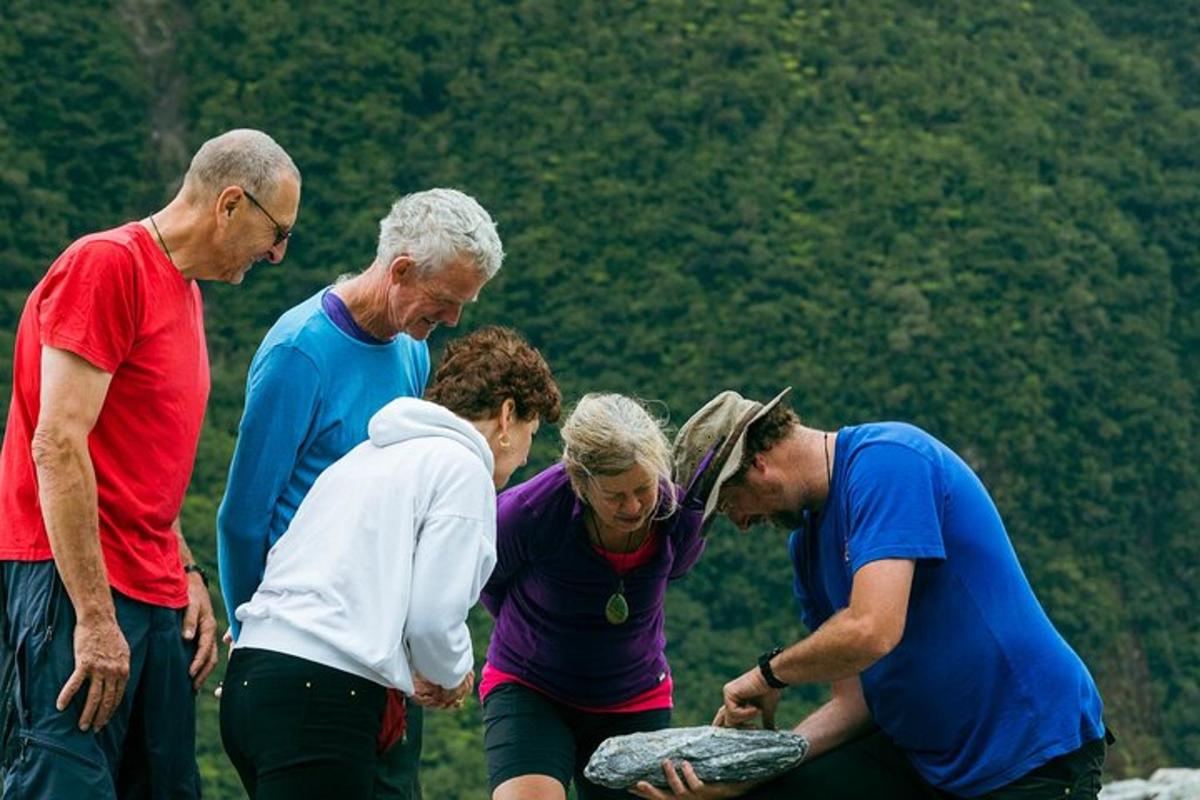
[483, 369]
[764, 434]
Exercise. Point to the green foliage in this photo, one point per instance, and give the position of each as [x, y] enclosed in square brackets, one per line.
[984, 220]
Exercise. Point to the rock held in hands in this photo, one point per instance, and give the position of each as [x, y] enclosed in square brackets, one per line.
[718, 755]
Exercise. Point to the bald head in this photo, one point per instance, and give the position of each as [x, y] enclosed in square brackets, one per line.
[244, 157]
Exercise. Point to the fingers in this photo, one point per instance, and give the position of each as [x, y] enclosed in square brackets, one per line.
[206, 653]
[643, 789]
[719, 719]
[673, 780]
[689, 776]
[109, 700]
[738, 715]
[201, 671]
[91, 704]
[768, 719]
[70, 688]
[190, 618]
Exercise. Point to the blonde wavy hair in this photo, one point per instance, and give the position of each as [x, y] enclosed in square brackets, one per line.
[608, 434]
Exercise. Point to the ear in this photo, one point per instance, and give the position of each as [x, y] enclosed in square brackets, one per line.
[401, 269]
[227, 201]
[758, 463]
[508, 414]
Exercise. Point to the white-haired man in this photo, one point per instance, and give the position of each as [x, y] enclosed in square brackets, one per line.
[110, 382]
[326, 367]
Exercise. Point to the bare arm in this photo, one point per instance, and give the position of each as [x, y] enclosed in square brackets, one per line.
[844, 718]
[849, 642]
[198, 617]
[72, 395]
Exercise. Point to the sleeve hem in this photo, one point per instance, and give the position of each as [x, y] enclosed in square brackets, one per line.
[80, 348]
[884, 553]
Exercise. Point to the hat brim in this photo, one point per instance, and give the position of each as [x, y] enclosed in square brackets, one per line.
[727, 463]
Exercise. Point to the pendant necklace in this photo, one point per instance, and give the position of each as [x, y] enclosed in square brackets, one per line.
[616, 610]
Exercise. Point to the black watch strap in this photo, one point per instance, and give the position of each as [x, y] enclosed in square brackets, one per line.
[764, 666]
[199, 570]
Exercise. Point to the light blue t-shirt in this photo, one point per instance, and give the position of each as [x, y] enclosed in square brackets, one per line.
[982, 688]
[311, 391]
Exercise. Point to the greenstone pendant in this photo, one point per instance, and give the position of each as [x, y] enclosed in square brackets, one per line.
[616, 610]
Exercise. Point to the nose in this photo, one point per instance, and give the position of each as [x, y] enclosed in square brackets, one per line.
[452, 316]
[632, 507]
[276, 253]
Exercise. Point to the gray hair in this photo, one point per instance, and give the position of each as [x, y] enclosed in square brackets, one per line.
[436, 228]
[607, 434]
[243, 157]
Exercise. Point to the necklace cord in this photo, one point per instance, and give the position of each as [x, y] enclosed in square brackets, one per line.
[162, 241]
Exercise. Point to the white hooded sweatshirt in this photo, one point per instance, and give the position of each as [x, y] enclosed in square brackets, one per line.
[386, 555]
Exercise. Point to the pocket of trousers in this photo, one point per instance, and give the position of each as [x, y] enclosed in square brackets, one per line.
[342, 717]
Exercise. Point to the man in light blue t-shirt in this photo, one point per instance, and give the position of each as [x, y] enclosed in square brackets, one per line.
[325, 368]
[948, 678]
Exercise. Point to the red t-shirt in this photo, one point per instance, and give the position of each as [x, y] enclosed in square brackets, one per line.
[114, 299]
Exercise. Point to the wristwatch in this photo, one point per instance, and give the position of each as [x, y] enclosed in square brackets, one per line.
[764, 666]
[199, 570]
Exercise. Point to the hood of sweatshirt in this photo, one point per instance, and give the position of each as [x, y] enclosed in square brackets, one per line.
[408, 418]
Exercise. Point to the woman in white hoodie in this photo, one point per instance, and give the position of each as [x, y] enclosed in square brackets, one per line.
[369, 589]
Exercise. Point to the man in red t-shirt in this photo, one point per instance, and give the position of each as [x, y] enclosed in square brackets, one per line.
[107, 625]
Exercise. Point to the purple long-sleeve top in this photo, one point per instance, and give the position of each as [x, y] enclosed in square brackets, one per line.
[549, 590]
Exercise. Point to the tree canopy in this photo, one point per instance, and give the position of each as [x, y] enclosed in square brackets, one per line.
[983, 218]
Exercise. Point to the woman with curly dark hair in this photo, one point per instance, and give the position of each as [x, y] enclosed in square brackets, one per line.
[370, 588]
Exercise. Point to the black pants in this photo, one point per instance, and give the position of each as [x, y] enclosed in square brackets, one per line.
[148, 748]
[873, 767]
[297, 730]
[397, 774]
[527, 733]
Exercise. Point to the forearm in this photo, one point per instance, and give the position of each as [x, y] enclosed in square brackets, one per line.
[240, 562]
[833, 724]
[67, 493]
[185, 552]
[841, 648]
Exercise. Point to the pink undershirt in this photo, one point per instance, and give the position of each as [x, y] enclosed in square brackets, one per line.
[657, 698]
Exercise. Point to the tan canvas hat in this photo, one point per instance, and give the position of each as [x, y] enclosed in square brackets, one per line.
[715, 438]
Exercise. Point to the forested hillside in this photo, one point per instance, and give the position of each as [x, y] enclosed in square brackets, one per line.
[981, 217]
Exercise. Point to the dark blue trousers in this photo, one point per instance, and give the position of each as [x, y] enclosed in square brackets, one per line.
[148, 748]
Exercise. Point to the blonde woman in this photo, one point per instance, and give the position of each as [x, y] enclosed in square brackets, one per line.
[584, 553]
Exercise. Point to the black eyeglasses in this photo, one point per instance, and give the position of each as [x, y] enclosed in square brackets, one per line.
[281, 233]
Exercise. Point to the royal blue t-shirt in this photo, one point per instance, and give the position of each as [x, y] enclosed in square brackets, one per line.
[982, 688]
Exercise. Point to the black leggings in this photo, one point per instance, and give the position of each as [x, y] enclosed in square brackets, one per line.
[296, 730]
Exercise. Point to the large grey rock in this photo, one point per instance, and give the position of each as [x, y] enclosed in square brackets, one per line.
[1165, 784]
[717, 755]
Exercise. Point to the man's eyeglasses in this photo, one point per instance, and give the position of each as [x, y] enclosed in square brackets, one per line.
[281, 233]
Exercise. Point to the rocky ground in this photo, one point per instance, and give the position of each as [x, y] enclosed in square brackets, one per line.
[1164, 784]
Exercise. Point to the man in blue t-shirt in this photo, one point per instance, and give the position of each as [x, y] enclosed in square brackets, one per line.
[321, 373]
[948, 678]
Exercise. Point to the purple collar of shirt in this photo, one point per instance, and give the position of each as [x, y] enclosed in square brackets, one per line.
[333, 305]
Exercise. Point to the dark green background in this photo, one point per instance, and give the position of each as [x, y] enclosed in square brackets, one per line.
[981, 217]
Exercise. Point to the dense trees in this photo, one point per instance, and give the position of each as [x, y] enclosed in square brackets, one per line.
[984, 220]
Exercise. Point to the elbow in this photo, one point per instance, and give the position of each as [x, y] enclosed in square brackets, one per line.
[50, 445]
[877, 638]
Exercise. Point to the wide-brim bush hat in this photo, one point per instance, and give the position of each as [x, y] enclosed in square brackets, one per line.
[709, 447]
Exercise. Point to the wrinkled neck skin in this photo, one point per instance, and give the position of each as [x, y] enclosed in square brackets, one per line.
[366, 297]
